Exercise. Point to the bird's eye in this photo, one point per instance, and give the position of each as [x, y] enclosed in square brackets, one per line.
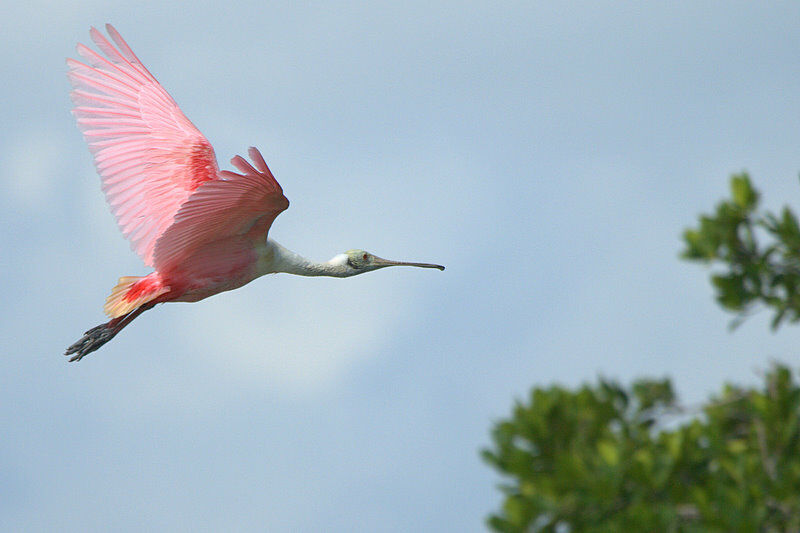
[364, 257]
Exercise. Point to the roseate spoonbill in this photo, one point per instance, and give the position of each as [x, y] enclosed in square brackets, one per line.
[202, 229]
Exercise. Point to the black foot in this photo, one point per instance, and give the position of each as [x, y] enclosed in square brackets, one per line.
[91, 341]
[99, 335]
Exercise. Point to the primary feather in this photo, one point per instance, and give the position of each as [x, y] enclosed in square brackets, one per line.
[150, 157]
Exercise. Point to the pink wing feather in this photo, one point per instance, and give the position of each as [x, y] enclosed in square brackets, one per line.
[150, 157]
[237, 204]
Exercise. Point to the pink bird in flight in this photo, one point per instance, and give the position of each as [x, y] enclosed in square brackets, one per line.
[203, 230]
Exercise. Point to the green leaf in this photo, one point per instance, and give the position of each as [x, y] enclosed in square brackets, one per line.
[608, 451]
[737, 446]
[743, 193]
[674, 442]
[731, 292]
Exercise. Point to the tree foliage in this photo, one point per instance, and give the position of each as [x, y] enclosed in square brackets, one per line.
[600, 459]
[753, 272]
[606, 457]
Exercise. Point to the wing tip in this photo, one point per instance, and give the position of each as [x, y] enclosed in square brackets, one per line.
[243, 165]
[259, 161]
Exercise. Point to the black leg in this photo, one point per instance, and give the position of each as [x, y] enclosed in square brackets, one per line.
[99, 335]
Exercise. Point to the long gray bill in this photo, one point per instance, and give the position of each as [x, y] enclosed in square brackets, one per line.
[388, 262]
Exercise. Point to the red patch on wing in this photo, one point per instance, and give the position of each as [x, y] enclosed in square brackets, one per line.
[142, 288]
[202, 165]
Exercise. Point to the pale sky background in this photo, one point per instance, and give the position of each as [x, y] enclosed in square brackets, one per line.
[550, 154]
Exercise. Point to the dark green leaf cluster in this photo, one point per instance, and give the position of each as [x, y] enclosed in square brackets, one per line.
[752, 273]
[607, 458]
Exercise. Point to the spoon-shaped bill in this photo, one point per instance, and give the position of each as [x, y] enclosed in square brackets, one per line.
[379, 261]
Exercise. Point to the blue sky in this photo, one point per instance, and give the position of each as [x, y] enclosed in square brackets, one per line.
[549, 154]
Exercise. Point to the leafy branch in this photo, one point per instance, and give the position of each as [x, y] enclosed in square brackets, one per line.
[610, 458]
[594, 459]
[753, 274]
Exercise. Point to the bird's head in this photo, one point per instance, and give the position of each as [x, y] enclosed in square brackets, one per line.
[359, 261]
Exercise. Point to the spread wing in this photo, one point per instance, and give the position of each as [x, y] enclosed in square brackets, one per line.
[150, 157]
[236, 204]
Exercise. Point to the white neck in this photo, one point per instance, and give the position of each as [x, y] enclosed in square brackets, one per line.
[275, 258]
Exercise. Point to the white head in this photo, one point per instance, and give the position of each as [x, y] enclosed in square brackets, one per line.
[358, 261]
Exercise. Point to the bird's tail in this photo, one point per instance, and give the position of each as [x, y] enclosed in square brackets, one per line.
[131, 297]
[99, 335]
[132, 292]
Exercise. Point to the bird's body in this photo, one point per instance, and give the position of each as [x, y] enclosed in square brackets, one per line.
[202, 229]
